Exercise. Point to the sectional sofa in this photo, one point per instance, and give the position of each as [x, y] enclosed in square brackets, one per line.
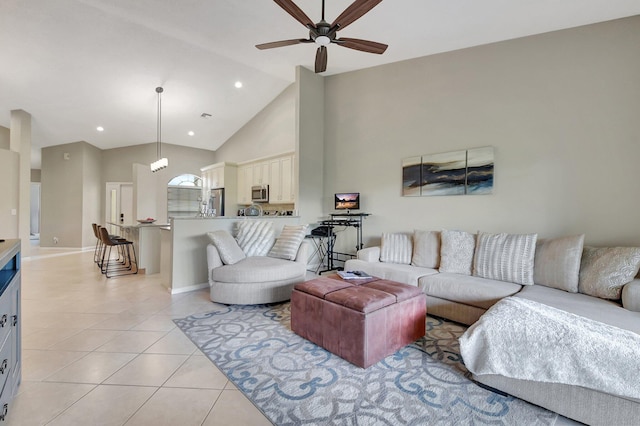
[472, 278]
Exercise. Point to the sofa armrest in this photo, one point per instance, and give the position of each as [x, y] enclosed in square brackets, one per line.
[369, 254]
[631, 296]
[303, 253]
[213, 260]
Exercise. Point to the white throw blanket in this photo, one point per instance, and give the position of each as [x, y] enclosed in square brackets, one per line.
[523, 339]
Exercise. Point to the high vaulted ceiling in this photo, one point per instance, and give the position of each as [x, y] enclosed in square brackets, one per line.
[78, 64]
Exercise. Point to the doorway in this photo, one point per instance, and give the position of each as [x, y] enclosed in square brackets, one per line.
[34, 217]
[118, 205]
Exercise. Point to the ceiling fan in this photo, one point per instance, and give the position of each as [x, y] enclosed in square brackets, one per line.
[323, 33]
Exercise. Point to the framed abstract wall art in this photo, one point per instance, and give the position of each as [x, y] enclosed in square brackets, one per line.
[449, 173]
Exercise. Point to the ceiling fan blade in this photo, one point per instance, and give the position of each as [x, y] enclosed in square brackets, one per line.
[282, 43]
[354, 11]
[321, 59]
[293, 10]
[362, 45]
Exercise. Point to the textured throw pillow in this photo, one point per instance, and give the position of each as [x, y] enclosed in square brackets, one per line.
[456, 251]
[288, 243]
[228, 248]
[426, 249]
[604, 271]
[557, 262]
[255, 237]
[396, 248]
[505, 257]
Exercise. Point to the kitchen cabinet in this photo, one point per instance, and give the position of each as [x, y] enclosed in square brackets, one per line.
[10, 324]
[281, 180]
[261, 173]
[277, 172]
[245, 181]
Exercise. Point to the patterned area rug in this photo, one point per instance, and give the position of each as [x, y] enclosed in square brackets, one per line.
[294, 382]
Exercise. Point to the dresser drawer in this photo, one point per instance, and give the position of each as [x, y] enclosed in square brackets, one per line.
[6, 312]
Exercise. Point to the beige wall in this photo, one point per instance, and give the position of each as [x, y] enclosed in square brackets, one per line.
[561, 110]
[92, 189]
[118, 164]
[4, 138]
[9, 185]
[62, 195]
[272, 131]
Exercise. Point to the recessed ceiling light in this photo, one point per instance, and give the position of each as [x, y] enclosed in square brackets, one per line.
[191, 133]
[100, 129]
[238, 84]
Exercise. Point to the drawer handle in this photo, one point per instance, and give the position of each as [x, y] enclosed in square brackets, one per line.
[5, 409]
[3, 366]
[15, 320]
[3, 320]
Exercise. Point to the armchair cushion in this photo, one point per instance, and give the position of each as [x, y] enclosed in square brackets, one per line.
[288, 243]
[255, 237]
[228, 248]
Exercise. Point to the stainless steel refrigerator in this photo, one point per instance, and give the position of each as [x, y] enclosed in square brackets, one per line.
[216, 202]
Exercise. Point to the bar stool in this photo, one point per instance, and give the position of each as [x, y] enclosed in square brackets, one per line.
[124, 264]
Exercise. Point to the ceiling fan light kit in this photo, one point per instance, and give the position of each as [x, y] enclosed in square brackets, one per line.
[323, 33]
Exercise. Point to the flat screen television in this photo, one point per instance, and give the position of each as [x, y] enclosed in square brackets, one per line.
[347, 201]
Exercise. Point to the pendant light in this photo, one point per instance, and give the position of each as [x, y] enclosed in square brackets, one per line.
[161, 162]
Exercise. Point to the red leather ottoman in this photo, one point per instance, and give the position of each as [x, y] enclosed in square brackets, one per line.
[360, 323]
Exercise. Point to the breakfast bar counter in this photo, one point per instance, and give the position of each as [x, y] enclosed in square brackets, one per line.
[146, 240]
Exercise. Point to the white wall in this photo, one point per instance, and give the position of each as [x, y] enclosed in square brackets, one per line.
[271, 132]
[561, 110]
[92, 190]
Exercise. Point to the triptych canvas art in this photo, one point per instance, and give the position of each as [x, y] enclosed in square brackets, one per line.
[449, 173]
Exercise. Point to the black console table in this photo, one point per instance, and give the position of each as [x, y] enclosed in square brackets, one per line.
[354, 220]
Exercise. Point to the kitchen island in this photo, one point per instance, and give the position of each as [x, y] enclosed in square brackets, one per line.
[184, 246]
[146, 240]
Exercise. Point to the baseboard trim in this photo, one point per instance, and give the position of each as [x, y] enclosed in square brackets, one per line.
[188, 288]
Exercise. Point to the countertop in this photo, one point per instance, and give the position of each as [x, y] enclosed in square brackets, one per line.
[236, 217]
[138, 225]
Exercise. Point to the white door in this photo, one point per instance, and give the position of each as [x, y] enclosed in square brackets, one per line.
[118, 205]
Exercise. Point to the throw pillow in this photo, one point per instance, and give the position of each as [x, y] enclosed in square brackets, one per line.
[557, 262]
[255, 237]
[426, 249]
[505, 257]
[396, 248]
[228, 248]
[456, 251]
[288, 243]
[604, 271]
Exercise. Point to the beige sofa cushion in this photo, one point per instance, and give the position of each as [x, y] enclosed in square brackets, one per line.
[228, 248]
[426, 249]
[605, 311]
[396, 248]
[474, 291]
[603, 271]
[258, 269]
[456, 252]
[557, 262]
[505, 257]
[405, 274]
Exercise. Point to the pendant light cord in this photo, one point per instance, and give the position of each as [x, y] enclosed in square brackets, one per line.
[159, 90]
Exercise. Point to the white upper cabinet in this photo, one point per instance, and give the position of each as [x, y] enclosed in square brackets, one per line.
[276, 172]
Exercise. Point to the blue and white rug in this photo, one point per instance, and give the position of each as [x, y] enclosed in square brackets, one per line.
[294, 382]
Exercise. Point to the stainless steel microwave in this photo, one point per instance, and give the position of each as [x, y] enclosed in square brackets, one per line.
[260, 194]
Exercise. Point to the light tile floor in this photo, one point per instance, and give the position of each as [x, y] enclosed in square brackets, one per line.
[98, 351]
